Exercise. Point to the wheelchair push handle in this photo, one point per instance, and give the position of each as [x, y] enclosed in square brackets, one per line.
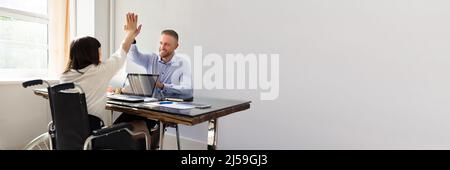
[66, 86]
[34, 83]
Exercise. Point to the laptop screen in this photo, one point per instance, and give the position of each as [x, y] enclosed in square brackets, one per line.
[140, 84]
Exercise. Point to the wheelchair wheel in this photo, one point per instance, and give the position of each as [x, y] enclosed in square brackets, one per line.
[42, 142]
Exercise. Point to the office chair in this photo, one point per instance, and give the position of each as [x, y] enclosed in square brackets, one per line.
[70, 127]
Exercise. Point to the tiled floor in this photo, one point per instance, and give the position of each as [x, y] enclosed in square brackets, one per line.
[170, 143]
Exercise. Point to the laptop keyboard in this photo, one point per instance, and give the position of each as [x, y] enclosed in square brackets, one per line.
[121, 96]
[131, 97]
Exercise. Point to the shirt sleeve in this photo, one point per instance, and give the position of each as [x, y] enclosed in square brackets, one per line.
[114, 63]
[140, 58]
[184, 88]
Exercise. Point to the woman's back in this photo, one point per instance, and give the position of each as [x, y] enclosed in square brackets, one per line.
[94, 80]
[86, 68]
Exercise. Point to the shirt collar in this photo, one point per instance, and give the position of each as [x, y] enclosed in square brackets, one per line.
[174, 61]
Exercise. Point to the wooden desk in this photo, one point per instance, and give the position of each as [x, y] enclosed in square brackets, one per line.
[190, 117]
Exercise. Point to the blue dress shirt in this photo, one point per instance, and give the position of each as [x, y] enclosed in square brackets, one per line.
[175, 74]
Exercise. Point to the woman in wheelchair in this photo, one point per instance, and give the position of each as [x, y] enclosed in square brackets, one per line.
[88, 69]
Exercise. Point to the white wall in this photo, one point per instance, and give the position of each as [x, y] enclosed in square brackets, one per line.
[23, 115]
[92, 19]
[102, 24]
[85, 22]
[354, 74]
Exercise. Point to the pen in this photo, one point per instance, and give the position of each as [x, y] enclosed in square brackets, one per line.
[174, 99]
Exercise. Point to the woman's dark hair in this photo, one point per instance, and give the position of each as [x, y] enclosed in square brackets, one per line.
[84, 51]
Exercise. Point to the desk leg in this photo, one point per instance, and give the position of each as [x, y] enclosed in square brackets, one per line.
[178, 136]
[111, 119]
[161, 135]
[212, 134]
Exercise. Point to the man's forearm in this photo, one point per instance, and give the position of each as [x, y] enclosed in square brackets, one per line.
[177, 89]
[126, 43]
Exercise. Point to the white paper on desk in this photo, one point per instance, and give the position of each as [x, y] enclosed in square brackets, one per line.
[174, 105]
[149, 105]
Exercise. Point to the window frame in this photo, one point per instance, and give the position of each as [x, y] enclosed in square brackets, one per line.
[11, 75]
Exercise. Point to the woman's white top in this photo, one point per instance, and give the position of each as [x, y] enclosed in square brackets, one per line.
[95, 80]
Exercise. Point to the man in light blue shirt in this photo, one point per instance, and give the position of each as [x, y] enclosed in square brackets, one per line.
[174, 76]
[174, 70]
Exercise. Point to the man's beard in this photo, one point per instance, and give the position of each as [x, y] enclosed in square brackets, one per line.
[164, 56]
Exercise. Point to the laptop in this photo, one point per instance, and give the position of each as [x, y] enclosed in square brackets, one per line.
[137, 88]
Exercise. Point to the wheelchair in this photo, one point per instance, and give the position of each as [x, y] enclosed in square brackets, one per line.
[70, 127]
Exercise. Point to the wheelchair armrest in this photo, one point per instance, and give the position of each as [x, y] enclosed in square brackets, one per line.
[128, 127]
[34, 83]
[112, 129]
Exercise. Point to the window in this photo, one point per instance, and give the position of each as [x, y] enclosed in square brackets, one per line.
[23, 39]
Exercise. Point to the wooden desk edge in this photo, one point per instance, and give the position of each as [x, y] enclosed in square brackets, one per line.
[171, 118]
[179, 119]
